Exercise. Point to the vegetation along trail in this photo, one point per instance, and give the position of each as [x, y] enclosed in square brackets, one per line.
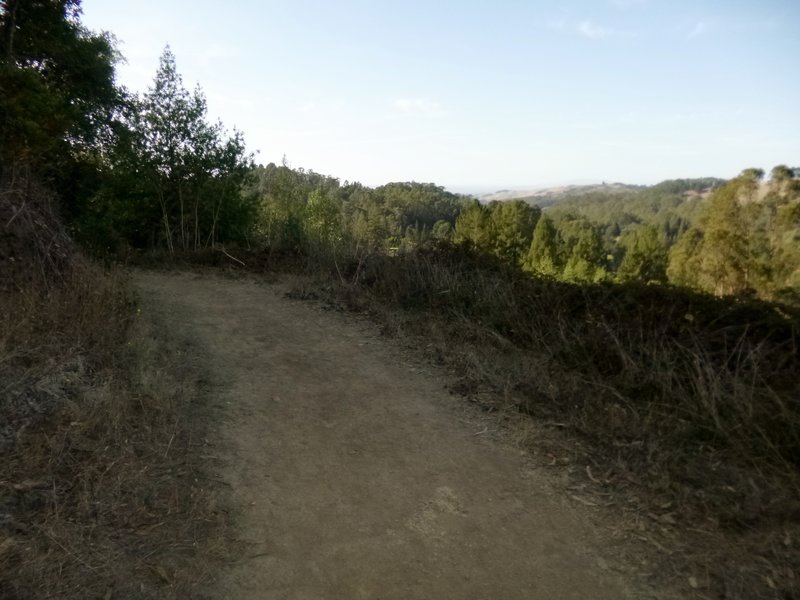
[355, 474]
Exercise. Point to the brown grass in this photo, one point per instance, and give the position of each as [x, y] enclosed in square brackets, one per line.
[101, 488]
[678, 411]
[681, 410]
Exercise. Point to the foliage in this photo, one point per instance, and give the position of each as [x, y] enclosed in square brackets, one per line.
[58, 99]
[301, 210]
[645, 256]
[172, 178]
[544, 257]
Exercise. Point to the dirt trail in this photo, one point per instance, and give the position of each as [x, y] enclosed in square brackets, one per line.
[356, 475]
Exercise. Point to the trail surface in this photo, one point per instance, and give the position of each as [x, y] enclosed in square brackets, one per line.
[356, 475]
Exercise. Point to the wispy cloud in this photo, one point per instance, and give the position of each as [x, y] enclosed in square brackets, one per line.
[417, 106]
[699, 29]
[593, 30]
[586, 28]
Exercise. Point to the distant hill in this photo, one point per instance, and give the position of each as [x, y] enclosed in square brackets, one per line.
[547, 197]
[544, 197]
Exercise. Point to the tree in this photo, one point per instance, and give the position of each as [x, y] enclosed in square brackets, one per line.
[684, 259]
[472, 226]
[645, 256]
[586, 261]
[323, 218]
[543, 256]
[511, 226]
[58, 99]
[190, 167]
[442, 230]
[724, 253]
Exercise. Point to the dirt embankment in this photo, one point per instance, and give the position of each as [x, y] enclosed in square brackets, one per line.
[354, 474]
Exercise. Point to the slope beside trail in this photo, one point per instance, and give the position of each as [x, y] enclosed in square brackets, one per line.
[355, 474]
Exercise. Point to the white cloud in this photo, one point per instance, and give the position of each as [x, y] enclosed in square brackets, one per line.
[592, 30]
[417, 106]
[699, 29]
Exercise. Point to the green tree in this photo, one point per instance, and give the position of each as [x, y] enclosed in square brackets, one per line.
[323, 218]
[587, 258]
[472, 226]
[543, 256]
[58, 99]
[645, 255]
[724, 254]
[442, 230]
[511, 224]
[684, 259]
[190, 167]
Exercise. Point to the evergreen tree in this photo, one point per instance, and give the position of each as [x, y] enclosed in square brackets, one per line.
[511, 224]
[189, 166]
[543, 256]
[587, 259]
[58, 98]
[645, 256]
[472, 226]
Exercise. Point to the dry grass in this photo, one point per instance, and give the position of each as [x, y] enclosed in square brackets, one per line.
[678, 411]
[684, 408]
[101, 489]
[100, 493]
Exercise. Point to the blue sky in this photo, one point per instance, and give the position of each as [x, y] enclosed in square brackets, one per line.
[482, 95]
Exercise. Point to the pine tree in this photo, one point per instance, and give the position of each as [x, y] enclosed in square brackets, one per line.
[193, 170]
[645, 256]
[511, 226]
[586, 261]
[543, 256]
[472, 227]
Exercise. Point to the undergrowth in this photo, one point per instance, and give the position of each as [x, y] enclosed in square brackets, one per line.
[685, 407]
[680, 409]
[100, 489]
